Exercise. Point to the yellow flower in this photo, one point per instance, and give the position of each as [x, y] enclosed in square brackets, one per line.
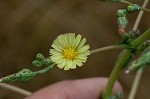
[69, 51]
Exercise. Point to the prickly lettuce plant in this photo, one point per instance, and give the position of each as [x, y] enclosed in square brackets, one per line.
[69, 51]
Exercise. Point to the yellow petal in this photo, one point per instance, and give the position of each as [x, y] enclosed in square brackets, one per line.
[77, 41]
[66, 68]
[55, 58]
[78, 62]
[57, 43]
[85, 53]
[56, 48]
[61, 39]
[81, 43]
[84, 48]
[73, 65]
[54, 52]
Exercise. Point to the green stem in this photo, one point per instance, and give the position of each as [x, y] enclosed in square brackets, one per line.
[107, 48]
[44, 70]
[145, 36]
[122, 61]
[145, 9]
[125, 56]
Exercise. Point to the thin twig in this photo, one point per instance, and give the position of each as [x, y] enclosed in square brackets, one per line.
[107, 48]
[15, 89]
[140, 71]
[139, 17]
[129, 3]
[136, 83]
[126, 2]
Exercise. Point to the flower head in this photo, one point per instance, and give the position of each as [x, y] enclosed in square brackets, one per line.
[69, 51]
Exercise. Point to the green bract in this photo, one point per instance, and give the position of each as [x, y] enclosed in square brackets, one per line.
[41, 61]
[133, 8]
[121, 12]
[122, 21]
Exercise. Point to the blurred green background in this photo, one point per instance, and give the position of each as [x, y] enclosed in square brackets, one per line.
[28, 27]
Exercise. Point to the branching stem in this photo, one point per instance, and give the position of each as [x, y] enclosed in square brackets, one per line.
[123, 58]
[140, 71]
[122, 61]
